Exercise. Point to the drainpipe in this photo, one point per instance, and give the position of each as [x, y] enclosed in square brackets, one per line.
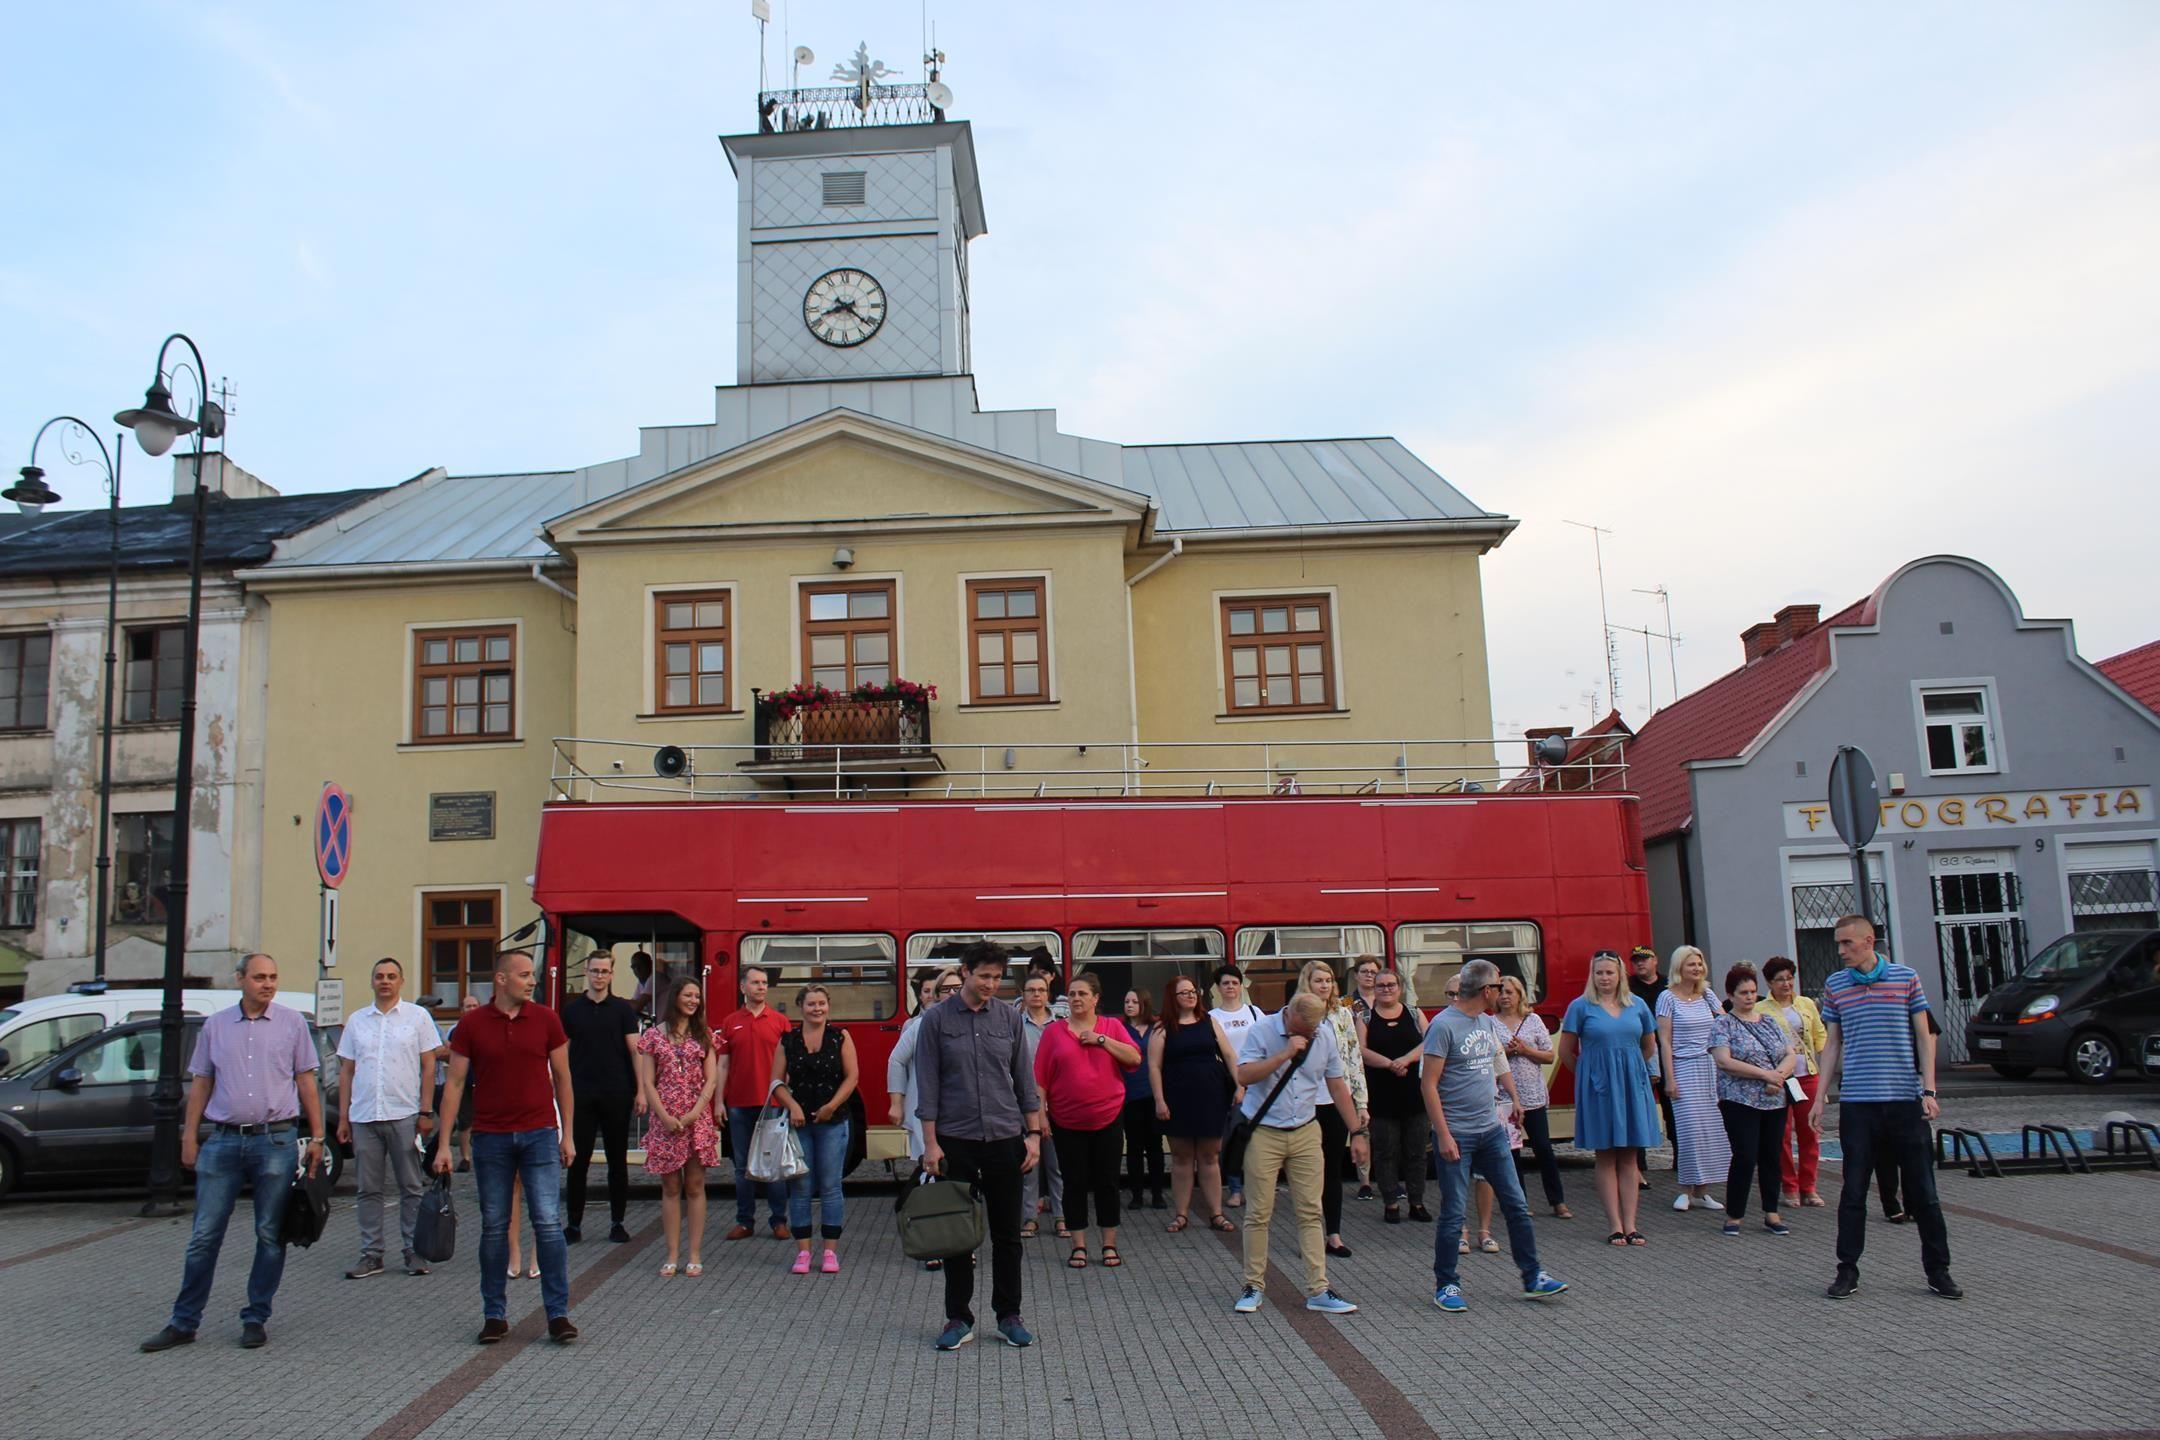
[1132, 665]
[566, 593]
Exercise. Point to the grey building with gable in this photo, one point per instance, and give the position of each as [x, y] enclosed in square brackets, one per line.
[2017, 788]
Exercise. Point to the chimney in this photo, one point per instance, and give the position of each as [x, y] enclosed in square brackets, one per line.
[219, 476]
[1759, 640]
[1535, 733]
[1796, 620]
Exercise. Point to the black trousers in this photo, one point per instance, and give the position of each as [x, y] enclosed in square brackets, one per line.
[1758, 1140]
[1664, 1105]
[1886, 1182]
[607, 1118]
[1088, 1159]
[1334, 1159]
[1537, 1129]
[1868, 1130]
[1143, 1145]
[993, 1167]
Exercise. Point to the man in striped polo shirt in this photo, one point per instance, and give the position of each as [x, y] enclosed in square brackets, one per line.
[1876, 1013]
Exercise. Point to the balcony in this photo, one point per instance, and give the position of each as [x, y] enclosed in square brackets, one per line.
[810, 747]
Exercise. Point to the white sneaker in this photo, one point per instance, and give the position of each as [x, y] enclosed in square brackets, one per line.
[1680, 1202]
[1708, 1203]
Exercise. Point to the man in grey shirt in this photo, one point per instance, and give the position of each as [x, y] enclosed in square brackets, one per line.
[1463, 1063]
[982, 1123]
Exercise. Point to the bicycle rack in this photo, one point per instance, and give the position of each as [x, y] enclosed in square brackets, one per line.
[2058, 1140]
[1956, 1145]
[2137, 1135]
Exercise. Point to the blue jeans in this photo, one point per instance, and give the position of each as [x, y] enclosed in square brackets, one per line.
[741, 1120]
[1487, 1155]
[498, 1161]
[226, 1164]
[825, 1147]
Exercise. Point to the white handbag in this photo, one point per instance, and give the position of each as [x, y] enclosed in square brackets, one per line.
[776, 1154]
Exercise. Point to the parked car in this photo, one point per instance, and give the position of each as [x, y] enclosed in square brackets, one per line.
[2088, 1004]
[82, 1116]
[33, 1030]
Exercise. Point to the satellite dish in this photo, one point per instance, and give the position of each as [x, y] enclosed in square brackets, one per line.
[940, 95]
[669, 761]
[804, 55]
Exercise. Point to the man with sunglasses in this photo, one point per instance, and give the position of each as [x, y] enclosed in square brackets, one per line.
[1877, 1013]
[1462, 1065]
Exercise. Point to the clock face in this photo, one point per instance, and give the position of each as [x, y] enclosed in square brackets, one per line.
[844, 307]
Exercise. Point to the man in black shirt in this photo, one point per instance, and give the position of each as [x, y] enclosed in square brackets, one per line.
[603, 1031]
[1645, 984]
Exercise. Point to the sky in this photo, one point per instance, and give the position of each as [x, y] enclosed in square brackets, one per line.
[1781, 297]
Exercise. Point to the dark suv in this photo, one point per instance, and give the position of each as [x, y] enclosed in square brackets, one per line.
[2088, 1004]
[81, 1116]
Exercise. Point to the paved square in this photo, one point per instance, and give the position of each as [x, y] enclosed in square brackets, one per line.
[1691, 1337]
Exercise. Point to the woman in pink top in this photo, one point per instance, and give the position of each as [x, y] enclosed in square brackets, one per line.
[1080, 1069]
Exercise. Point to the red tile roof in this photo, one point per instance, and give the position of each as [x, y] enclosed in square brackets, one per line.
[1721, 719]
[2137, 671]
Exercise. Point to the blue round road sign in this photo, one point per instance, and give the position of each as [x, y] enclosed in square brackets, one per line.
[333, 835]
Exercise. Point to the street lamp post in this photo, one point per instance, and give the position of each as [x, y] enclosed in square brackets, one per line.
[32, 490]
[156, 425]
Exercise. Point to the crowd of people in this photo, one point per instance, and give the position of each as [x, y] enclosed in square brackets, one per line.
[1057, 1108]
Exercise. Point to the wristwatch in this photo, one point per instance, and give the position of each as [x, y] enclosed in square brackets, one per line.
[1361, 1132]
[1928, 1095]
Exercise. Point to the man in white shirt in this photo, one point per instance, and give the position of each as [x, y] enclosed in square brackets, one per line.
[386, 1063]
[1236, 1017]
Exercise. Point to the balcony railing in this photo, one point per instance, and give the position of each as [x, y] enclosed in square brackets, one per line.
[833, 107]
[859, 731]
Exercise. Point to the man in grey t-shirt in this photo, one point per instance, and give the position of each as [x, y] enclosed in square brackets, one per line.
[1462, 1065]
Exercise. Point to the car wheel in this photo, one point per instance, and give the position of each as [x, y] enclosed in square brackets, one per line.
[2092, 1059]
[2014, 1072]
[9, 1169]
[334, 1162]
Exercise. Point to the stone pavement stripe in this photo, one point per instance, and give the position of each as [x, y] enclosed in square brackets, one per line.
[81, 1240]
[2046, 1435]
[1390, 1409]
[2045, 1232]
[438, 1399]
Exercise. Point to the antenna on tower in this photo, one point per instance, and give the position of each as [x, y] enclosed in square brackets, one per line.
[761, 11]
[1672, 636]
[1612, 665]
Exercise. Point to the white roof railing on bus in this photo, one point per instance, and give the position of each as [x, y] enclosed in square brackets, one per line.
[586, 768]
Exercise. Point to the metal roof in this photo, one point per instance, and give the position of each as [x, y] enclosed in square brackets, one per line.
[1247, 485]
[1243, 487]
[156, 537]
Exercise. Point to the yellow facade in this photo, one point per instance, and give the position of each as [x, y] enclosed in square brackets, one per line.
[1142, 661]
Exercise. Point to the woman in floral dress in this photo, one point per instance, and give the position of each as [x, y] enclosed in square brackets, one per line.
[676, 1070]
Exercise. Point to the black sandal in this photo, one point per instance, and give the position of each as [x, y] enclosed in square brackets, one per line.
[1178, 1222]
[1618, 1237]
[1636, 1237]
[1110, 1258]
[1078, 1259]
[1219, 1221]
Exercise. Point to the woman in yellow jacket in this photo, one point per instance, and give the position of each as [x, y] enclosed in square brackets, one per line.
[1804, 1026]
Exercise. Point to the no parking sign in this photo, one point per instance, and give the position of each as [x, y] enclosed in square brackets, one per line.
[333, 835]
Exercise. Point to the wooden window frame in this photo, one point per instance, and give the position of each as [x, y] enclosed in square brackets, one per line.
[463, 934]
[813, 629]
[164, 631]
[1038, 625]
[1260, 641]
[21, 641]
[11, 894]
[454, 670]
[694, 636]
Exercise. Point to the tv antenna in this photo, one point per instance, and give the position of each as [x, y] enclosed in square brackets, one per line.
[761, 11]
[1612, 665]
[1672, 636]
[1649, 670]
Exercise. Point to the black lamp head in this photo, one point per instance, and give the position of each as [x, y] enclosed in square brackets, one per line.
[31, 489]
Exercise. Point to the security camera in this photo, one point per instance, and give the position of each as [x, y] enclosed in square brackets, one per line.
[843, 557]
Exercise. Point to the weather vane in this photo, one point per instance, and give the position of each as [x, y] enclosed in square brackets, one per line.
[862, 73]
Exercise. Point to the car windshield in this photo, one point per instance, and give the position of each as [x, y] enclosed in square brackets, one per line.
[2074, 956]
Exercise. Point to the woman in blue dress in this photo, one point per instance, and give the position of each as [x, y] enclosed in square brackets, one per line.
[1607, 1035]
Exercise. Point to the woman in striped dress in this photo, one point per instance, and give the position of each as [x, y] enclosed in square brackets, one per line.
[1686, 1015]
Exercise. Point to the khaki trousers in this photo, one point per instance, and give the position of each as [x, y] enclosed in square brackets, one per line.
[1295, 1153]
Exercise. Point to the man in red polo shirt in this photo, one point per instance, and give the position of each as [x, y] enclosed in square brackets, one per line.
[747, 1040]
[519, 1058]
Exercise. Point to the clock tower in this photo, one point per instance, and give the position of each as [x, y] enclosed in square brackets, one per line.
[852, 236]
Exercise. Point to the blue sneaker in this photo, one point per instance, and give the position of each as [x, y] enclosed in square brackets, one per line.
[1543, 1288]
[1448, 1298]
[1248, 1300]
[1777, 1227]
[1327, 1302]
[955, 1334]
[1015, 1334]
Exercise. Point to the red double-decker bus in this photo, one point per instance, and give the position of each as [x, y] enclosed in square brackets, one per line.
[860, 896]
